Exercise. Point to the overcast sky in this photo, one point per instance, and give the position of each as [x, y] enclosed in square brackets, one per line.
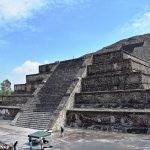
[34, 32]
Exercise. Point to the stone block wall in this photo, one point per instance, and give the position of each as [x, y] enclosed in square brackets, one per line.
[122, 121]
[36, 78]
[47, 68]
[8, 113]
[114, 96]
[14, 100]
[30, 88]
[135, 80]
[20, 88]
[137, 99]
[108, 57]
[116, 56]
[122, 66]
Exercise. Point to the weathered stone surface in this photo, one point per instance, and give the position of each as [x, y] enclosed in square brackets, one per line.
[15, 100]
[36, 78]
[116, 56]
[47, 68]
[137, 99]
[8, 113]
[27, 88]
[110, 67]
[135, 80]
[110, 120]
[20, 88]
[124, 66]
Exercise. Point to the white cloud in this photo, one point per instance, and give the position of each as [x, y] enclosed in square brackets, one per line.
[15, 12]
[12, 10]
[18, 74]
[28, 67]
[139, 25]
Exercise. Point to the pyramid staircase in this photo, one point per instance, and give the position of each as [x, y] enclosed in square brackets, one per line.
[39, 112]
[114, 96]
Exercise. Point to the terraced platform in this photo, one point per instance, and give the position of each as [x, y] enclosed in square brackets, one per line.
[114, 96]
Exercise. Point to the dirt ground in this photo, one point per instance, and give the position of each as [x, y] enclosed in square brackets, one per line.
[76, 139]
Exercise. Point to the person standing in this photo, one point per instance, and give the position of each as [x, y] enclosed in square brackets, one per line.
[62, 131]
[41, 142]
[15, 144]
[30, 142]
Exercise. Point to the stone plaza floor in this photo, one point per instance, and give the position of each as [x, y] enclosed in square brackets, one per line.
[76, 139]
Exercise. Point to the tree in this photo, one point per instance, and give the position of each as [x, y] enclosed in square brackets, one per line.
[6, 87]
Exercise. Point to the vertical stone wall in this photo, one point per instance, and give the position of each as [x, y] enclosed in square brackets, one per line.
[8, 113]
[136, 122]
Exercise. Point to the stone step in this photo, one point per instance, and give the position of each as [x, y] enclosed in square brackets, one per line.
[134, 80]
[34, 119]
[37, 127]
[37, 113]
[47, 105]
[124, 66]
[131, 121]
[30, 111]
[34, 116]
[137, 99]
[44, 110]
[34, 122]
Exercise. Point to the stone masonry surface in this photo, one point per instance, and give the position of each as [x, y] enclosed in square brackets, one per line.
[114, 95]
